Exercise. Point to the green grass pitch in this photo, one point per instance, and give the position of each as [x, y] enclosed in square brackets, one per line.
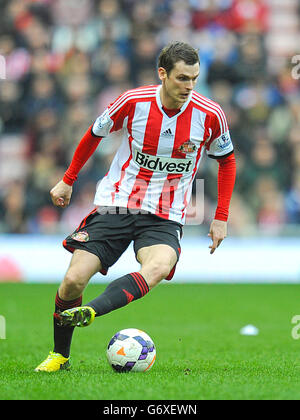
[200, 352]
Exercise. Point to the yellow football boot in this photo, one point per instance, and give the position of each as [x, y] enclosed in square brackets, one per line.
[53, 363]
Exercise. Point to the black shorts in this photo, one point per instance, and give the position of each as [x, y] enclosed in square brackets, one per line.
[107, 233]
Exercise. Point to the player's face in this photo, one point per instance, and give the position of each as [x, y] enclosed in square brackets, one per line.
[177, 86]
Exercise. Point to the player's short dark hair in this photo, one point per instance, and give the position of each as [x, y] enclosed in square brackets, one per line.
[177, 51]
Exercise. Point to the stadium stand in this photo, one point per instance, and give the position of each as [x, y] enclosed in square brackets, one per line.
[66, 60]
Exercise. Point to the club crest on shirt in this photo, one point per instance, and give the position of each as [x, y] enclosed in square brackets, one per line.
[187, 147]
[81, 236]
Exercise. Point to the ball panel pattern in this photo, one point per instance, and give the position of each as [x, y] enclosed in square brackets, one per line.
[131, 350]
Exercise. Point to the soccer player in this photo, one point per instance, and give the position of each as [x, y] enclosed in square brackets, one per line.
[144, 195]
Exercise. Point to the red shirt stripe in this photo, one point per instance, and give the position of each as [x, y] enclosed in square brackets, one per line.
[183, 128]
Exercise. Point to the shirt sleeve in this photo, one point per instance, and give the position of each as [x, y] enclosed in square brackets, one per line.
[219, 144]
[113, 118]
[226, 181]
[83, 152]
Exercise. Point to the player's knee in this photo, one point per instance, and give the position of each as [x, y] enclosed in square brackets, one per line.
[73, 284]
[157, 271]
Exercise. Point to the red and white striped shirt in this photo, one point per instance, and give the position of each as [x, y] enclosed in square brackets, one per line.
[156, 163]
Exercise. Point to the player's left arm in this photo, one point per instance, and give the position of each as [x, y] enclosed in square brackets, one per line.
[220, 147]
[226, 181]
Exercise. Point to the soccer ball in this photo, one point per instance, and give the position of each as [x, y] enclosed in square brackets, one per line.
[131, 350]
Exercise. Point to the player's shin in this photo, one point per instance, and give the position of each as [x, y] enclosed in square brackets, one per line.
[63, 335]
[119, 293]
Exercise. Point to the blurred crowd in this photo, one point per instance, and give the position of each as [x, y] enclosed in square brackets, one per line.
[66, 60]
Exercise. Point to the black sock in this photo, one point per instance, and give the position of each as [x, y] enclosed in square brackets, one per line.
[63, 335]
[119, 293]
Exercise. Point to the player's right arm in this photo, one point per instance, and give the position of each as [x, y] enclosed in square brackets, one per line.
[112, 119]
[61, 193]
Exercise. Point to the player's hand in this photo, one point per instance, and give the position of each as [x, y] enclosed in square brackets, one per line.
[217, 232]
[61, 194]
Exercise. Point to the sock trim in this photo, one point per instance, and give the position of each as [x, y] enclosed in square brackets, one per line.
[141, 282]
[67, 304]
